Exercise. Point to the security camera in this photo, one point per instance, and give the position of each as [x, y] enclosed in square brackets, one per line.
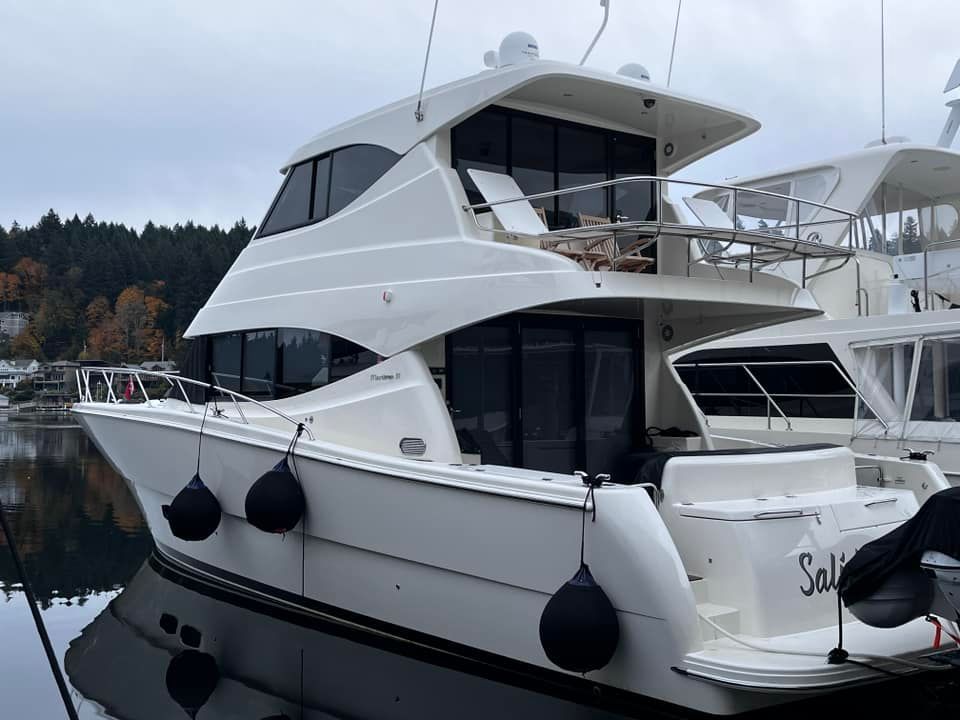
[648, 103]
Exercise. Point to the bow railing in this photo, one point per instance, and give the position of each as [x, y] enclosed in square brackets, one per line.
[92, 380]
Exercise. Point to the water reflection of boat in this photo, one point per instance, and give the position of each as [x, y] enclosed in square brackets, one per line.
[168, 640]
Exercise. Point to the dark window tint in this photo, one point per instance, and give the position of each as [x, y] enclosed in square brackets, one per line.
[534, 159]
[544, 154]
[321, 189]
[482, 392]
[346, 358]
[280, 363]
[582, 159]
[259, 362]
[225, 361]
[480, 142]
[558, 394]
[304, 361]
[633, 156]
[355, 169]
[609, 362]
[810, 388]
[292, 207]
[550, 430]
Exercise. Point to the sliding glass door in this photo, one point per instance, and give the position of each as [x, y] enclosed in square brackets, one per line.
[547, 393]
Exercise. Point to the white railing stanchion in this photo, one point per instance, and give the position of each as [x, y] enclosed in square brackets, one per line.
[179, 382]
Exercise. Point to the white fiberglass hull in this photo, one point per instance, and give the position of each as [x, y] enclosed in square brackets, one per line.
[459, 558]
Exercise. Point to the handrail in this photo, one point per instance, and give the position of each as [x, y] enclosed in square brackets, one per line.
[658, 179]
[926, 275]
[787, 363]
[770, 400]
[175, 381]
[778, 243]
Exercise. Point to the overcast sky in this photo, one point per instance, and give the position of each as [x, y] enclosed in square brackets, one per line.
[174, 110]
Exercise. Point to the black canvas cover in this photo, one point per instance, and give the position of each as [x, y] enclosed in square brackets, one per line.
[649, 468]
[936, 526]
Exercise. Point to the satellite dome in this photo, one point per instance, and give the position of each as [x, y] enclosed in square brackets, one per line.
[635, 71]
[518, 47]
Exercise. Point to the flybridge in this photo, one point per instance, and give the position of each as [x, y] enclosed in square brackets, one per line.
[614, 245]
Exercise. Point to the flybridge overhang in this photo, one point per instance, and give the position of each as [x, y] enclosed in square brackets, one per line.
[686, 128]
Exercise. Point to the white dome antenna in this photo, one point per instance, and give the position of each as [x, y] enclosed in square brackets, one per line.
[517, 47]
[635, 71]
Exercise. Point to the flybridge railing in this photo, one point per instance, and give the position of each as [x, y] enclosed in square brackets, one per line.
[771, 402]
[89, 378]
[727, 242]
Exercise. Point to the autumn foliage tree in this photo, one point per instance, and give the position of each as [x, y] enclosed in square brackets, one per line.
[121, 293]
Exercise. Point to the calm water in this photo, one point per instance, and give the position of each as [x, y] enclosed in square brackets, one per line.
[138, 640]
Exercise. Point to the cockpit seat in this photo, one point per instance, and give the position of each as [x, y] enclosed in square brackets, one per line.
[649, 467]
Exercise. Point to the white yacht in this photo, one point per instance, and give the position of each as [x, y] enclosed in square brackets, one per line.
[448, 338]
[880, 371]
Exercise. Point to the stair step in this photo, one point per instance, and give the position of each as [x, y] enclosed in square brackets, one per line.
[726, 617]
[699, 586]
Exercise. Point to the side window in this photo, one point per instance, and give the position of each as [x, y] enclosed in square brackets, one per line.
[318, 188]
[225, 361]
[283, 362]
[354, 169]
[321, 189]
[259, 362]
[292, 208]
[304, 360]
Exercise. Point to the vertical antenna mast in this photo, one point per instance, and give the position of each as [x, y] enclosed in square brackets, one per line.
[673, 49]
[605, 4]
[418, 113]
[883, 83]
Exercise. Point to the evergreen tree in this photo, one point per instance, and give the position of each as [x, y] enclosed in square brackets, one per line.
[911, 236]
[70, 276]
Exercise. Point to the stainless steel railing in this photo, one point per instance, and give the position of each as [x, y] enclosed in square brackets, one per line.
[109, 375]
[779, 243]
[771, 403]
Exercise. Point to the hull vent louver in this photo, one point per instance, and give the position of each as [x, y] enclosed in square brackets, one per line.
[413, 446]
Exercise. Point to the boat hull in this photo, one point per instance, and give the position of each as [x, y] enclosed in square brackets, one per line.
[452, 562]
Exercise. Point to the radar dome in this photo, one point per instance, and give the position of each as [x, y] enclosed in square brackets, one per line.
[635, 71]
[518, 47]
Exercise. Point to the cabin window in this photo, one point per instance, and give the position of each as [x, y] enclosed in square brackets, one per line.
[354, 169]
[534, 159]
[292, 207]
[225, 360]
[483, 396]
[548, 393]
[883, 377]
[318, 188]
[545, 154]
[937, 394]
[804, 380]
[321, 189]
[480, 142]
[283, 362]
[259, 362]
[582, 160]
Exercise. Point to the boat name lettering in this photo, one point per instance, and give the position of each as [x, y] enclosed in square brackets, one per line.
[821, 579]
[374, 377]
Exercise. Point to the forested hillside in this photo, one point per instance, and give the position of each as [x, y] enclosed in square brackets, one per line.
[105, 286]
